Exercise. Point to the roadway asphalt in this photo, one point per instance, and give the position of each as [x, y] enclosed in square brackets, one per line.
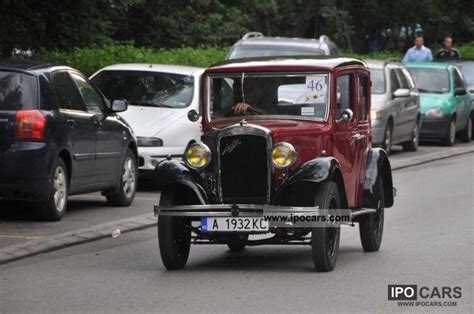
[18, 224]
[428, 241]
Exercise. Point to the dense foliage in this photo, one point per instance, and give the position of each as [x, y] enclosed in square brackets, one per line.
[89, 60]
[158, 24]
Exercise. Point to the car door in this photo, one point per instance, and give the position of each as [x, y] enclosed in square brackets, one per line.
[363, 130]
[110, 136]
[463, 106]
[398, 105]
[405, 117]
[79, 126]
[413, 107]
[346, 135]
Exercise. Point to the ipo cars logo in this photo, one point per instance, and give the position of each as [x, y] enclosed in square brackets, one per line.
[414, 295]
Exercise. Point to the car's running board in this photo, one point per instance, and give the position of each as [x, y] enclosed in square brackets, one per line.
[362, 211]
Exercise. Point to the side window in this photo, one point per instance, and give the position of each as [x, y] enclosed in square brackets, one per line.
[49, 98]
[394, 82]
[344, 94]
[402, 79]
[458, 81]
[363, 96]
[69, 96]
[93, 101]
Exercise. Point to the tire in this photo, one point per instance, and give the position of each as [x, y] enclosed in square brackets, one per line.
[387, 138]
[450, 137]
[174, 236]
[325, 239]
[54, 208]
[371, 225]
[128, 182]
[466, 134]
[237, 242]
[412, 145]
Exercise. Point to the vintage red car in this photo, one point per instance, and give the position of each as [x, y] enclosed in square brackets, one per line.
[286, 137]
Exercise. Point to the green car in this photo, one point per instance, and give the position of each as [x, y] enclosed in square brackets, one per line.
[444, 102]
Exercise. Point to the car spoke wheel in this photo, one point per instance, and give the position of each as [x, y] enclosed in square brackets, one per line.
[325, 239]
[174, 236]
[54, 207]
[466, 134]
[412, 145]
[371, 225]
[127, 186]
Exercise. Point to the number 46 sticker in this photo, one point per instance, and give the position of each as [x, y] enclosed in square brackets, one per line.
[316, 89]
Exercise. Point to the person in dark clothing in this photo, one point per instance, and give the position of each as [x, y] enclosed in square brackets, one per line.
[448, 52]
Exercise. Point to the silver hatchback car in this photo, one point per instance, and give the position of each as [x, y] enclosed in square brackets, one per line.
[395, 110]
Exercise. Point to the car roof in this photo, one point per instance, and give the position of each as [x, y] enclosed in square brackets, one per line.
[380, 64]
[166, 68]
[429, 65]
[23, 65]
[280, 41]
[287, 61]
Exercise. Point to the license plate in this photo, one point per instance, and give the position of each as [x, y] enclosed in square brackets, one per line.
[211, 224]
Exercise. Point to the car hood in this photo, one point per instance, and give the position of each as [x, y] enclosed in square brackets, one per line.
[378, 101]
[429, 100]
[148, 121]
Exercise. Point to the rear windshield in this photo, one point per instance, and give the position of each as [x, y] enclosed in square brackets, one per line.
[251, 51]
[431, 80]
[378, 81]
[146, 88]
[17, 91]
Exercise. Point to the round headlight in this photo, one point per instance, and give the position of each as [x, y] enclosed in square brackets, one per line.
[197, 156]
[283, 155]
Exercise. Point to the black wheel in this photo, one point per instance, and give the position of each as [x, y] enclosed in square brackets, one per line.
[412, 145]
[128, 182]
[237, 242]
[325, 239]
[450, 137]
[466, 134]
[371, 225]
[54, 207]
[174, 236]
[387, 138]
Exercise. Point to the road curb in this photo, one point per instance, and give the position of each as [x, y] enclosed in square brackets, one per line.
[33, 247]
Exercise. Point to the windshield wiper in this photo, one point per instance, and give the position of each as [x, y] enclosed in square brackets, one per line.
[149, 104]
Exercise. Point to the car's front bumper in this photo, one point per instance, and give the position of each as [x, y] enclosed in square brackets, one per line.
[232, 210]
[434, 127]
[149, 157]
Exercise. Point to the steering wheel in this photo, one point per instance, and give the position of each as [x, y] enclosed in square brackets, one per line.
[230, 112]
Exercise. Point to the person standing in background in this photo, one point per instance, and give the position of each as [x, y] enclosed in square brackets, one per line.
[448, 52]
[418, 53]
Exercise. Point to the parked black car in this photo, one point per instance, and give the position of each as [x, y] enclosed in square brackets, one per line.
[60, 136]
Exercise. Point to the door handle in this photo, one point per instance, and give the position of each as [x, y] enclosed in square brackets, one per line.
[70, 122]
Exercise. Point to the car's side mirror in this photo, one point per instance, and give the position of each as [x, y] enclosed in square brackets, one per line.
[346, 116]
[401, 92]
[459, 91]
[119, 105]
[193, 115]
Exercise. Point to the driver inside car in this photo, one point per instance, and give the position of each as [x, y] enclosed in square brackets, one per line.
[259, 97]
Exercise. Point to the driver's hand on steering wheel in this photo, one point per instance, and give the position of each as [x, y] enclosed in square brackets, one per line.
[241, 108]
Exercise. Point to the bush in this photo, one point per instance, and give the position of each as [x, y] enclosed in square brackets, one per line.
[89, 60]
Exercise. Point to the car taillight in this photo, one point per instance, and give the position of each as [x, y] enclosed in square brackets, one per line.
[30, 125]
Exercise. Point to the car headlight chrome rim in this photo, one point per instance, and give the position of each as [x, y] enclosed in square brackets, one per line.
[197, 156]
[283, 155]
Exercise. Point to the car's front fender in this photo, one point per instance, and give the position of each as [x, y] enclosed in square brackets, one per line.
[378, 165]
[173, 174]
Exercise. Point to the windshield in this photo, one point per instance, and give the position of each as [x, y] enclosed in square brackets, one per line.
[17, 91]
[431, 80]
[300, 95]
[467, 69]
[378, 81]
[251, 51]
[143, 88]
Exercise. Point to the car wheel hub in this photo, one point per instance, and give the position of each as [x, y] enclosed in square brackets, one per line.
[60, 190]
[129, 177]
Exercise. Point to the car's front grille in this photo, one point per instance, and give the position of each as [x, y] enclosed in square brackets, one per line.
[244, 170]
